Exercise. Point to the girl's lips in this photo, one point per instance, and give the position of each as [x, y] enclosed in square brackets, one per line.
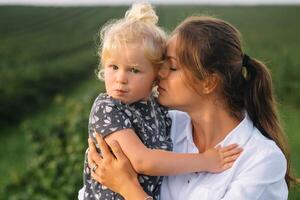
[120, 92]
[123, 91]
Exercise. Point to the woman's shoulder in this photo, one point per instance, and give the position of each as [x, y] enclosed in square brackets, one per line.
[263, 156]
[267, 146]
[257, 144]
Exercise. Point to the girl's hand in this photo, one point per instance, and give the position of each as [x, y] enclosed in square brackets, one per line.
[113, 169]
[221, 158]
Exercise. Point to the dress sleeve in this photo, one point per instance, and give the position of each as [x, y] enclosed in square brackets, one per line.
[262, 179]
[107, 117]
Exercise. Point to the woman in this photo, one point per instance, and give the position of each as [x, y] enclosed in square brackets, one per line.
[228, 98]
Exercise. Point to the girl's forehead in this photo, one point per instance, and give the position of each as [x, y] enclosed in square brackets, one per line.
[130, 56]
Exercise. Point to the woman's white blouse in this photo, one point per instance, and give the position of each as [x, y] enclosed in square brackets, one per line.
[258, 174]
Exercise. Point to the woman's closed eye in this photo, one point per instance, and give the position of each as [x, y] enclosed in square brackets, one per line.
[173, 68]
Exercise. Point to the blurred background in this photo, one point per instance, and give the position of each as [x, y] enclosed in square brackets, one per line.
[48, 58]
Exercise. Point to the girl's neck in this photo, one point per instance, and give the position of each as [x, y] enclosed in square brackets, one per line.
[211, 125]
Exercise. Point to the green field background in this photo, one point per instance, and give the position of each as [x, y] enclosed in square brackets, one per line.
[48, 58]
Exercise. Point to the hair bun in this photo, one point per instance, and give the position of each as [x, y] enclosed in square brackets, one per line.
[142, 12]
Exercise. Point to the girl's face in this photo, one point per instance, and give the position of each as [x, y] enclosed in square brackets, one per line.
[128, 74]
[174, 91]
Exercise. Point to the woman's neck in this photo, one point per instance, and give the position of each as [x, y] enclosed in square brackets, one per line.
[211, 125]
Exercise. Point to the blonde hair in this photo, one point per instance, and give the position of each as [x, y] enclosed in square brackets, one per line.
[138, 26]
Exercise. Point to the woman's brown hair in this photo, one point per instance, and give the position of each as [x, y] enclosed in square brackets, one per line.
[214, 46]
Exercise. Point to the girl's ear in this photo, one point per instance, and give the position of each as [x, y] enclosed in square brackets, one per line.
[210, 83]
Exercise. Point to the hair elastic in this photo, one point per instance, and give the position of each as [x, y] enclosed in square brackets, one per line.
[246, 59]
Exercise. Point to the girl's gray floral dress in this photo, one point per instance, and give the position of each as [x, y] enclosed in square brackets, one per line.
[148, 119]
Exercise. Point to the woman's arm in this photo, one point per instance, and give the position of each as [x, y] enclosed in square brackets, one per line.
[114, 170]
[159, 162]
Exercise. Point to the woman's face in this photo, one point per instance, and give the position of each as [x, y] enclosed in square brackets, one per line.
[174, 91]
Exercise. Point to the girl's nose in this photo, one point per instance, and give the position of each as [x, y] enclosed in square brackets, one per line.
[122, 77]
[164, 71]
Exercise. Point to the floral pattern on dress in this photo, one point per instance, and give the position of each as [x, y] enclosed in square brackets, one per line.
[148, 119]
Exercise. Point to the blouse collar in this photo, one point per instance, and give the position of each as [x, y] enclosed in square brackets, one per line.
[240, 134]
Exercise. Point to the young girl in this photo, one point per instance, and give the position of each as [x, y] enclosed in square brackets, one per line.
[132, 52]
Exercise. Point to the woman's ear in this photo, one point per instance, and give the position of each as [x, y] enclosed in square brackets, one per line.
[210, 83]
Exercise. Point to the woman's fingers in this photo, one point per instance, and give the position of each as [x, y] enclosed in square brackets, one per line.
[117, 150]
[96, 177]
[92, 146]
[105, 151]
[93, 155]
[90, 150]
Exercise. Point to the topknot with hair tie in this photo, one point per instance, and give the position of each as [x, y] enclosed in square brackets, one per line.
[143, 12]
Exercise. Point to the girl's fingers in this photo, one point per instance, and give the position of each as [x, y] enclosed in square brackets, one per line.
[232, 152]
[227, 166]
[231, 159]
[218, 147]
[229, 147]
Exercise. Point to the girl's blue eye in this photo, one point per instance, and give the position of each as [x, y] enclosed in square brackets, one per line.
[134, 70]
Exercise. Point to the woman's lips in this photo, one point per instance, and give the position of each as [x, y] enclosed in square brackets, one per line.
[161, 89]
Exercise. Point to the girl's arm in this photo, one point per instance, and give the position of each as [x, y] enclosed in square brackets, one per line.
[159, 162]
[114, 170]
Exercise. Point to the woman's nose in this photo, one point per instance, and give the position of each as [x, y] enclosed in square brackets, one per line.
[164, 71]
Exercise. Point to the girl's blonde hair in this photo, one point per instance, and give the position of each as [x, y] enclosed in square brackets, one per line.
[137, 27]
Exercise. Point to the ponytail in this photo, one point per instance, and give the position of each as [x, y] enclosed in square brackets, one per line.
[262, 108]
[246, 83]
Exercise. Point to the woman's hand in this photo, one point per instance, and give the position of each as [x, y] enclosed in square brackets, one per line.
[113, 169]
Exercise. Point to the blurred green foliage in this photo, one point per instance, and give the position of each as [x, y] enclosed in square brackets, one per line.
[55, 167]
[57, 141]
[45, 51]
